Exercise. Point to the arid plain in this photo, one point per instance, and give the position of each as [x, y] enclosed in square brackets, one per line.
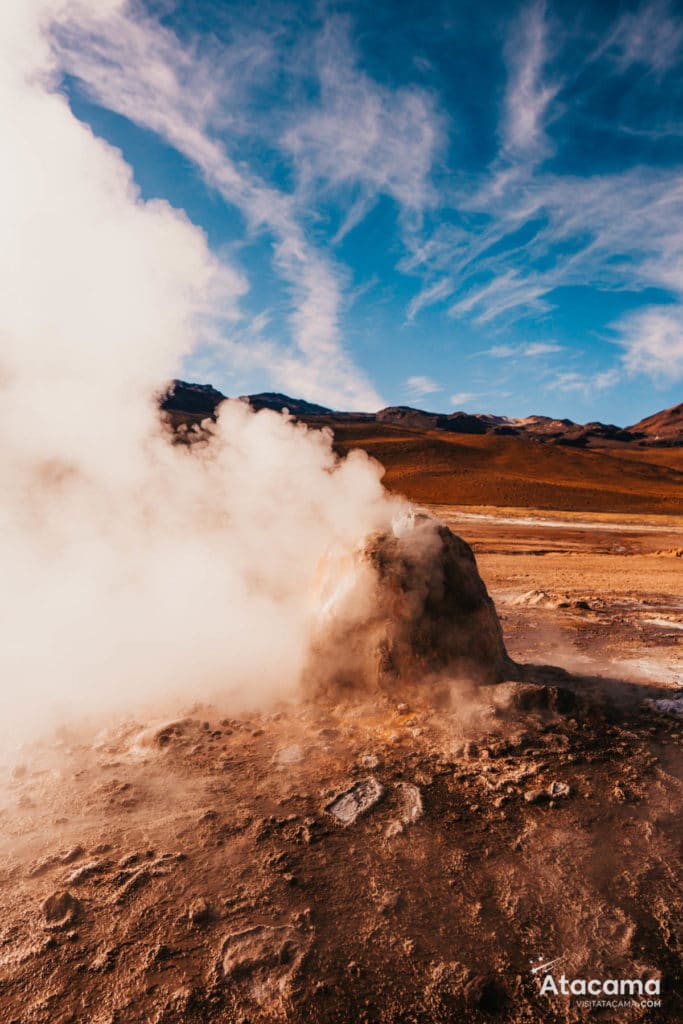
[401, 856]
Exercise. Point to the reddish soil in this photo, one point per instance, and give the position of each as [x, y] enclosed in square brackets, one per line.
[194, 870]
[434, 466]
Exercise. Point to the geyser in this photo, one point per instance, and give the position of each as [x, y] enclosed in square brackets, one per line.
[407, 609]
[136, 571]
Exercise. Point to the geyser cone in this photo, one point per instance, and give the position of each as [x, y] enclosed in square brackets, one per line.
[410, 609]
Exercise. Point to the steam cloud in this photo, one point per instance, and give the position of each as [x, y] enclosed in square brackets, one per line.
[133, 569]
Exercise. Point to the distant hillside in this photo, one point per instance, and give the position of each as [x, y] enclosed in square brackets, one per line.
[196, 399]
[538, 428]
[468, 459]
[663, 427]
[278, 402]
[438, 467]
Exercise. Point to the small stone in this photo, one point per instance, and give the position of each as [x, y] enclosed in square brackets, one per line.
[357, 800]
[535, 796]
[388, 901]
[412, 807]
[370, 761]
[199, 912]
[103, 960]
[559, 789]
[157, 954]
[619, 793]
[71, 855]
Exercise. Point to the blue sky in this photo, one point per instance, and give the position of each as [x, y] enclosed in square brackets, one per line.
[446, 205]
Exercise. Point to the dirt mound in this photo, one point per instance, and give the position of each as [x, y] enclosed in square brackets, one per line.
[414, 611]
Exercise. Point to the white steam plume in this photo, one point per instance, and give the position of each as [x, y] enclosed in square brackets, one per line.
[133, 570]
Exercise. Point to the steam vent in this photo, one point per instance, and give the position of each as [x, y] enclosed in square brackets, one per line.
[412, 610]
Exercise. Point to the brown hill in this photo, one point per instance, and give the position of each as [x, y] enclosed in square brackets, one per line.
[463, 459]
[438, 467]
[664, 427]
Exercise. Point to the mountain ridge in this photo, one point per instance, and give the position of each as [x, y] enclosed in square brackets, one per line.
[664, 428]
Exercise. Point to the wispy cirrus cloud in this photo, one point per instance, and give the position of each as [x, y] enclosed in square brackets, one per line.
[530, 349]
[129, 63]
[362, 137]
[584, 383]
[419, 387]
[526, 231]
[461, 398]
[529, 93]
[651, 36]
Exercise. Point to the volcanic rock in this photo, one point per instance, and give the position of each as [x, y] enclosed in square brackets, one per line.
[415, 610]
[412, 807]
[359, 798]
[199, 911]
[196, 399]
[278, 402]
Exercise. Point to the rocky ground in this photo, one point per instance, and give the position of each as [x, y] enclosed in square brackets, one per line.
[392, 861]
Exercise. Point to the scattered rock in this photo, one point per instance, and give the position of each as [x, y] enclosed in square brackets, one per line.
[104, 960]
[129, 859]
[370, 761]
[199, 912]
[159, 737]
[532, 697]
[411, 808]
[41, 867]
[388, 901]
[93, 867]
[61, 909]
[158, 954]
[668, 705]
[535, 599]
[558, 789]
[357, 800]
[71, 855]
[536, 796]
[619, 793]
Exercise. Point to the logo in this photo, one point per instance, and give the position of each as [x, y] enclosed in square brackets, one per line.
[602, 992]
